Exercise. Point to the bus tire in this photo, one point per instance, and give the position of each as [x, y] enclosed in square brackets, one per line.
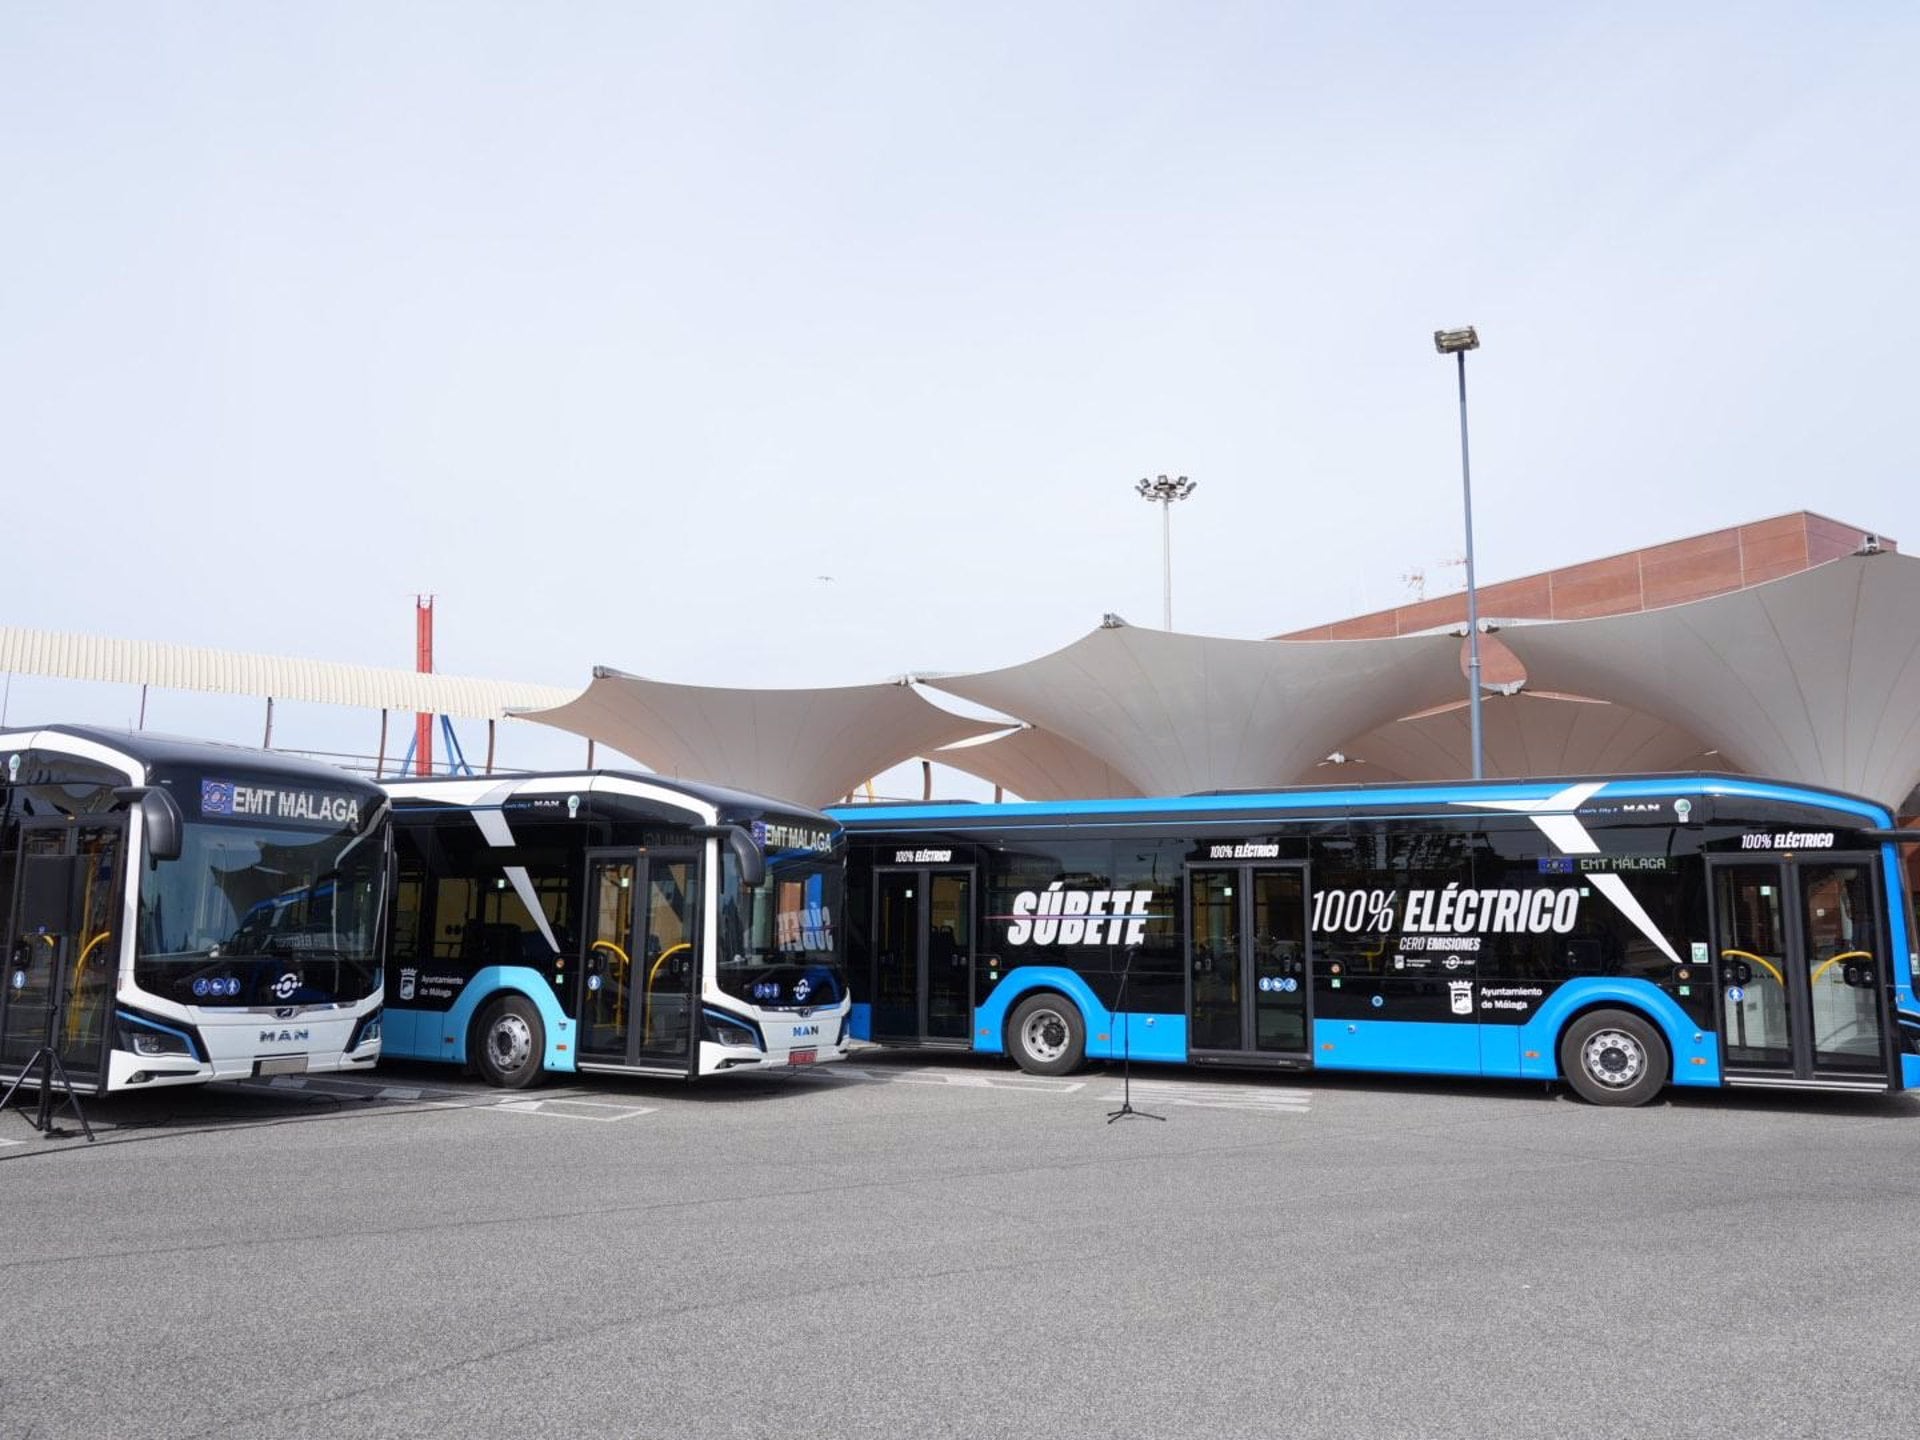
[510, 1043]
[1046, 1036]
[1614, 1057]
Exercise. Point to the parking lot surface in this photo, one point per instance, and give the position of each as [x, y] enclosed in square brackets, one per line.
[935, 1245]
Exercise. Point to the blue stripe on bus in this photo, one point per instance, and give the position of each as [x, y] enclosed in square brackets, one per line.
[438, 1035]
[1403, 1046]
[1409, 1047]
[1910, 1071]
[1905, 982]
[397, 1028]
[1425, 799]
[860, 1022]
[1156, 1037]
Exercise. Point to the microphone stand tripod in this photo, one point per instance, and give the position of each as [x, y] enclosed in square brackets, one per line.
[1126, 1109]
[47, 1057]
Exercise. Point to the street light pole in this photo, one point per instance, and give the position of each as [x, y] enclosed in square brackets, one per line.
[1457, 343]
[1165, 492]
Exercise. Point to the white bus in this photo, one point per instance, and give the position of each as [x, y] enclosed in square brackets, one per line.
[179, 911]
[599, 921]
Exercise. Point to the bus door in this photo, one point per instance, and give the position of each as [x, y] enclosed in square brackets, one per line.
[639, 977]
[1247, 990]
[923, 955]
[61, 971]
[1801, 962]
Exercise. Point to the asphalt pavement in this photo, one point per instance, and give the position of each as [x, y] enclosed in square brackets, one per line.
[930, 1246]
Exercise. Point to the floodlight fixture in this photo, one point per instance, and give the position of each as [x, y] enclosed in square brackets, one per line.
[1164, 492]
[1453, 342]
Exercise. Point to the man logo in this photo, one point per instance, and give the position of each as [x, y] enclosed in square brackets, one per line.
[285, 1037]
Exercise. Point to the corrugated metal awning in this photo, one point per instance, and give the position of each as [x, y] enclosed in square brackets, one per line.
[68, 656]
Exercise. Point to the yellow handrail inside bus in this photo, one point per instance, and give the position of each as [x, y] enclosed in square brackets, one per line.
[620, 991]
[654, 974]
[1778, 978]
[76, 1014]
[1843, 955]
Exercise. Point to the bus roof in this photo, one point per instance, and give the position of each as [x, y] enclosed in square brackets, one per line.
[175, 752]
[727, 803]
[1409, 796]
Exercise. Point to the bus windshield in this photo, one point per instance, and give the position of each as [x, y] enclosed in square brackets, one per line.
[263, 915]
[778, 941]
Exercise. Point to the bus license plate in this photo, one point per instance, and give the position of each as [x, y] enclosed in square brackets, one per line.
[802, 1057]
[281, 1065]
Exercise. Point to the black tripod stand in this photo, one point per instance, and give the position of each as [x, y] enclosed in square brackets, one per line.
[47, 1059]
[1126, 1053]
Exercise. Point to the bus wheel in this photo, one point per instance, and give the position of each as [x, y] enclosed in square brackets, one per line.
[1046, 1035]
[1613, 1057]
[512, 1043]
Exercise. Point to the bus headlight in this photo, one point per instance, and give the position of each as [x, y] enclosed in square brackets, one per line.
[367, 1033]
[727, 1030]
[151, 1041]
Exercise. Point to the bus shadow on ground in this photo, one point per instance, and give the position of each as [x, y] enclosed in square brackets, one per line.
[1469, 1088]
[222, 1105]
[1463, 1087]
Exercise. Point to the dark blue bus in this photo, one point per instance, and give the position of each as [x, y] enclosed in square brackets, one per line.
[1619, 934]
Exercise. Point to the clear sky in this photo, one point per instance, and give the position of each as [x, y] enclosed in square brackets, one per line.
[622, 327]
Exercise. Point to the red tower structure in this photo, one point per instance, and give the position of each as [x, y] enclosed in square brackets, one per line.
[423, 662]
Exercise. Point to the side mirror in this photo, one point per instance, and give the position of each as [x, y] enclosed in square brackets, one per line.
[160, 816]
[746, 854]
[753, 864]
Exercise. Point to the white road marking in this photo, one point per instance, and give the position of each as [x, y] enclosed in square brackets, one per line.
[571, 1109]
[1199, 1094]
[953, 1079]
[348, 1086]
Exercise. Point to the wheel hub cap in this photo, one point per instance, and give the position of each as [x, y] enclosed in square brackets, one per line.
[511, 1043]
[1046, 1036]
[1614, 1059]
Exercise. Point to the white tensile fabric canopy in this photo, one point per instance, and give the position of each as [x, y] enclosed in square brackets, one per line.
[1036, 765]
[1174, 714]
[1813, 677]
[1526, 735]
[808, 746]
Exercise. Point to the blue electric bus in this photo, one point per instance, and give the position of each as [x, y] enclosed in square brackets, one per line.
[1619, 934]
[602, 921]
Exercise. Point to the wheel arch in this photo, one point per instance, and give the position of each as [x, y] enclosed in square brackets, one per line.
[1692, 1052]
[990, 1020]
[495, 982]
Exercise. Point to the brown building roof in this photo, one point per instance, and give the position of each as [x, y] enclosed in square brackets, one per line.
[1670, 574]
